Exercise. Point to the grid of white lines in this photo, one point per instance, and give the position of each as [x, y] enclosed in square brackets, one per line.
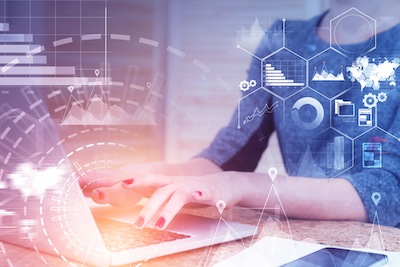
[284, 72]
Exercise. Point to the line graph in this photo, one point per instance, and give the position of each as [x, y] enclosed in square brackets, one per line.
[98, 111]
[325, 75]
[259, 113]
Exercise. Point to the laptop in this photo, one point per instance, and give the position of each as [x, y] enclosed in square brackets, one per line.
[43, 208]
[66, 224]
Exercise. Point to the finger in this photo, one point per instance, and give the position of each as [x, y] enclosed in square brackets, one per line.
[180, 198]
[100, 178]
[154, 205]
[202, 195]
[116, 195]
[148, 180]
[177, 198]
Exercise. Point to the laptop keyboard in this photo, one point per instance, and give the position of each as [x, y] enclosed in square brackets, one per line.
[120, 236]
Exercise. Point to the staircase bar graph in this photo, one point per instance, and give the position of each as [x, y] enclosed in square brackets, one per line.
[277, 71]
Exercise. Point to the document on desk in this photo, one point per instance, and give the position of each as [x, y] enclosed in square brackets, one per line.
[275, 251]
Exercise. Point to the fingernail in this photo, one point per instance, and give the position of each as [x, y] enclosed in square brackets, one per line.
[128, 181]
[101, 194]
[199, 193]
[160, 223]
[139, 222]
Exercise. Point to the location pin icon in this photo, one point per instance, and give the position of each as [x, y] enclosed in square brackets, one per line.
[71, 89]
[376, 197]
[97, 72]
[272, 172]
[148, 84]
[221, 206]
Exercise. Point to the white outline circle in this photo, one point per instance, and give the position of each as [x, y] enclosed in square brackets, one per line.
[310, 101]
[370, 39]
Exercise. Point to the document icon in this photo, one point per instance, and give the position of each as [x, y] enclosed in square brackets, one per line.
[372, 155]
[364, 117]
[344, 108]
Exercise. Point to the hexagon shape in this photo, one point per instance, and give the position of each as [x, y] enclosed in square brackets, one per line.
[332, 153]
[283, 72]
[375, 150]
[352, 14]
[351, 114]
[365, 71]
[259, 105]
[327, 73]
[307, 113]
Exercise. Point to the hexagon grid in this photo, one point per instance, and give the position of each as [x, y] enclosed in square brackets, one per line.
[327, 103]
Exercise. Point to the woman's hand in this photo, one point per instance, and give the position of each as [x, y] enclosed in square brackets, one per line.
[95, 179]
[104, 185]
[98, 178]
[95, 182]
[170, 193]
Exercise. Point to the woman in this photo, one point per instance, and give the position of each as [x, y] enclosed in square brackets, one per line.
[224, 170]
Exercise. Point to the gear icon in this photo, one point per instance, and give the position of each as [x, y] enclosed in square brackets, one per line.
[382, 97]
[244, 85]
[253, 83]
[370, 100]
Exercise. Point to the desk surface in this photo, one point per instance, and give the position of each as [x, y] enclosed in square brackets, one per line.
[334, 233]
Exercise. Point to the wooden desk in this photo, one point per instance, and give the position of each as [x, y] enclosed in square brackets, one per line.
[335, 233]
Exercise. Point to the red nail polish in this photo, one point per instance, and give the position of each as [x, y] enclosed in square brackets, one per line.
[139, 222]
[160, 223]
[101, 194]
[199, 193]
[128, 181]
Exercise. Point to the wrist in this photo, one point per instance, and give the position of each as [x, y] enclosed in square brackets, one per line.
[254, 190]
